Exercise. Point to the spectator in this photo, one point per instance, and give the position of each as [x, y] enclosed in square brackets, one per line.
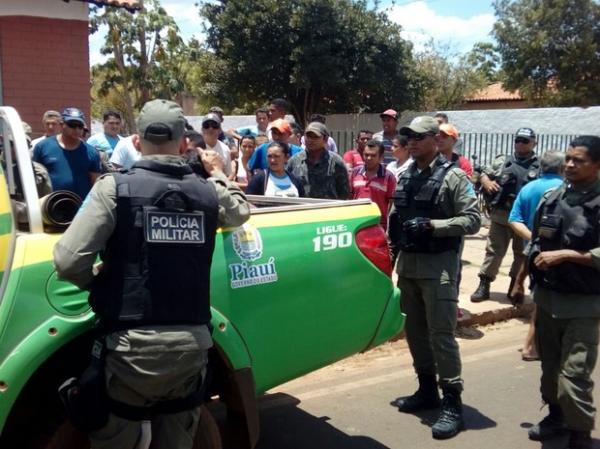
[331, 145]
[51, 121]
[71, 163]
[521, 221]
[247, 147]
[281, 132]
[448, 138]
[107, 140]
[441, 118]
[262, 120]
[125, 154]
[389, 122]
[373, 181]
[195, 144]
[227, 140]
[211, 129]
[323, 174]
[297, 134]
[354, 157]
[277, 110]
[276, 180]
[501, 182]
[402, 156]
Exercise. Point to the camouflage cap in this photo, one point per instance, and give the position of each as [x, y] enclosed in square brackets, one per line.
[161, 121]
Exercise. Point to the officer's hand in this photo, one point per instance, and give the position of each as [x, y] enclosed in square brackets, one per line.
[547, 259]
[418, 226]
[212, 161]
[490, 187]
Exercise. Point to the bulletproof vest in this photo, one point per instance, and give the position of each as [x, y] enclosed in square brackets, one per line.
[156, 266]
[564, 226]
[514, 175]
[417, 196]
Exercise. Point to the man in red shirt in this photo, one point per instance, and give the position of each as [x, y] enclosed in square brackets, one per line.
[448, 138]
[353, 158]
[373, 181]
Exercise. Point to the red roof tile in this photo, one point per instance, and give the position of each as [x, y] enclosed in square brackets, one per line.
[494, 92]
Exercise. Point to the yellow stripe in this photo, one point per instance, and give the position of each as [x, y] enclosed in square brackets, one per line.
[4, 198]
[44, 243]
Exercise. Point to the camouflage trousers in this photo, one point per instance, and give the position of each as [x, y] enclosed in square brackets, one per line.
[499, 237]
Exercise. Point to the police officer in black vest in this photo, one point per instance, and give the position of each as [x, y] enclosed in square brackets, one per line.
[154, 227]
[502, 182]
[565, 265]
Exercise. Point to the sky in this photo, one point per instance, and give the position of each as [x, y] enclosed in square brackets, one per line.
[457, 24]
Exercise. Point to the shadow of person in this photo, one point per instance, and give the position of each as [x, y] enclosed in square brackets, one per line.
[284, 425]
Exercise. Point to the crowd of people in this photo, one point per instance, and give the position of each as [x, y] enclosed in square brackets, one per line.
[548, 206]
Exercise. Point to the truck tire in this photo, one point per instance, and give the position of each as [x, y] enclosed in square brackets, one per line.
[207, 436]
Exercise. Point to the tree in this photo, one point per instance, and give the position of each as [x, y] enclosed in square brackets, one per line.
[322, 55]
[450, 78]
[550, 49]
[148, 58]
[484, 58]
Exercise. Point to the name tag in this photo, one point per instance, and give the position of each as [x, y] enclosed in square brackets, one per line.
[173, 227]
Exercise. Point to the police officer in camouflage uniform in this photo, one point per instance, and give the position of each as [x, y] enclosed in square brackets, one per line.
[501, 183]
[565, 265]
[155, 228]
[434, 207]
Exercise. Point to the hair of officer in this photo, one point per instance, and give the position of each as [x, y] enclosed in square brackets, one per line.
[285, 148]
[376, 144]
[280, 103]
[109, 114]
[592, 143]
[401, 139]
[552, 161]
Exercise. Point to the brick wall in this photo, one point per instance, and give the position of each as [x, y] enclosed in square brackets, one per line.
[45, 65]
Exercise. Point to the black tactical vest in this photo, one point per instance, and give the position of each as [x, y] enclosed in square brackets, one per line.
[156, 267]
[514, 175]
[564, 226]
[417, 196]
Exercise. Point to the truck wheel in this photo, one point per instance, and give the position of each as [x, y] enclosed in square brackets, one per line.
[207, 436]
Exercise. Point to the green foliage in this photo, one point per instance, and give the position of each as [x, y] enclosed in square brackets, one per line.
[450, 78]
[322, 55]
[484, 58]
[551, 49]
[148, 59]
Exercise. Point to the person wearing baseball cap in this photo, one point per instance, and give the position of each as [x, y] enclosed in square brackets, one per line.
[448, 139]
[434, 207]
[154, 227]
[501, 182]
[211, 130]
[72, 164]
[389, 123]
[281, 132]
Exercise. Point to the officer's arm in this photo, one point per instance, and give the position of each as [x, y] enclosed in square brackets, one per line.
[76, 251]
[234, 209]
[460, 203]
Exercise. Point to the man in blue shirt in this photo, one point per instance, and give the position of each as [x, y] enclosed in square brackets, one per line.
[281, 132]
[71, 163]
[107, 141]
[521, 220]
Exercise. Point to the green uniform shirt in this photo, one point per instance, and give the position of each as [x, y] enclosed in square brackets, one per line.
[457, 200]
[573, 305]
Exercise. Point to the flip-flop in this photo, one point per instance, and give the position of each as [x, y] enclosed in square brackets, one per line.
[530, 358]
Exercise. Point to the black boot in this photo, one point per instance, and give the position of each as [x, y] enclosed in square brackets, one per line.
[425, 398]
[483, 291]
[450, 421]
[551, 426]
[580, 440]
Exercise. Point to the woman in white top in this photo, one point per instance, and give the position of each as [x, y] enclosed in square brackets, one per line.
[400, 152]
[276, 180]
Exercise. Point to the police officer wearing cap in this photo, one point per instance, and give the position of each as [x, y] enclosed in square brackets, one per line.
[565, 266]
[501, 182]
[434, 207]
[154, 227]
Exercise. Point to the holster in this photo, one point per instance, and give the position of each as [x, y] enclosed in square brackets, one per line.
[85, 399]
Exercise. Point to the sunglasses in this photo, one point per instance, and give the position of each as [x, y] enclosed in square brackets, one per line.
[75, 125]
[210, 125]
[522, 140]
[418, 136]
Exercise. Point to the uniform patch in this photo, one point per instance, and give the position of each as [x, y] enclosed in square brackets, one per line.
[173, 227]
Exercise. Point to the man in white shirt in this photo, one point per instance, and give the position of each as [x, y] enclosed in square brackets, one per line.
[125, 154]
[211, 128]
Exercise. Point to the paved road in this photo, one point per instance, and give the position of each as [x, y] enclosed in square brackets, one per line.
[346, 405]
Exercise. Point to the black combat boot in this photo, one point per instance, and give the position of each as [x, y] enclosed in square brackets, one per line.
[450, 421]
[425, 398]
[580, 440]
[483, 291]
[551, 426]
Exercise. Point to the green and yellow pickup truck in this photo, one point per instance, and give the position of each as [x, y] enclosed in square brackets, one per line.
[301, 285]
